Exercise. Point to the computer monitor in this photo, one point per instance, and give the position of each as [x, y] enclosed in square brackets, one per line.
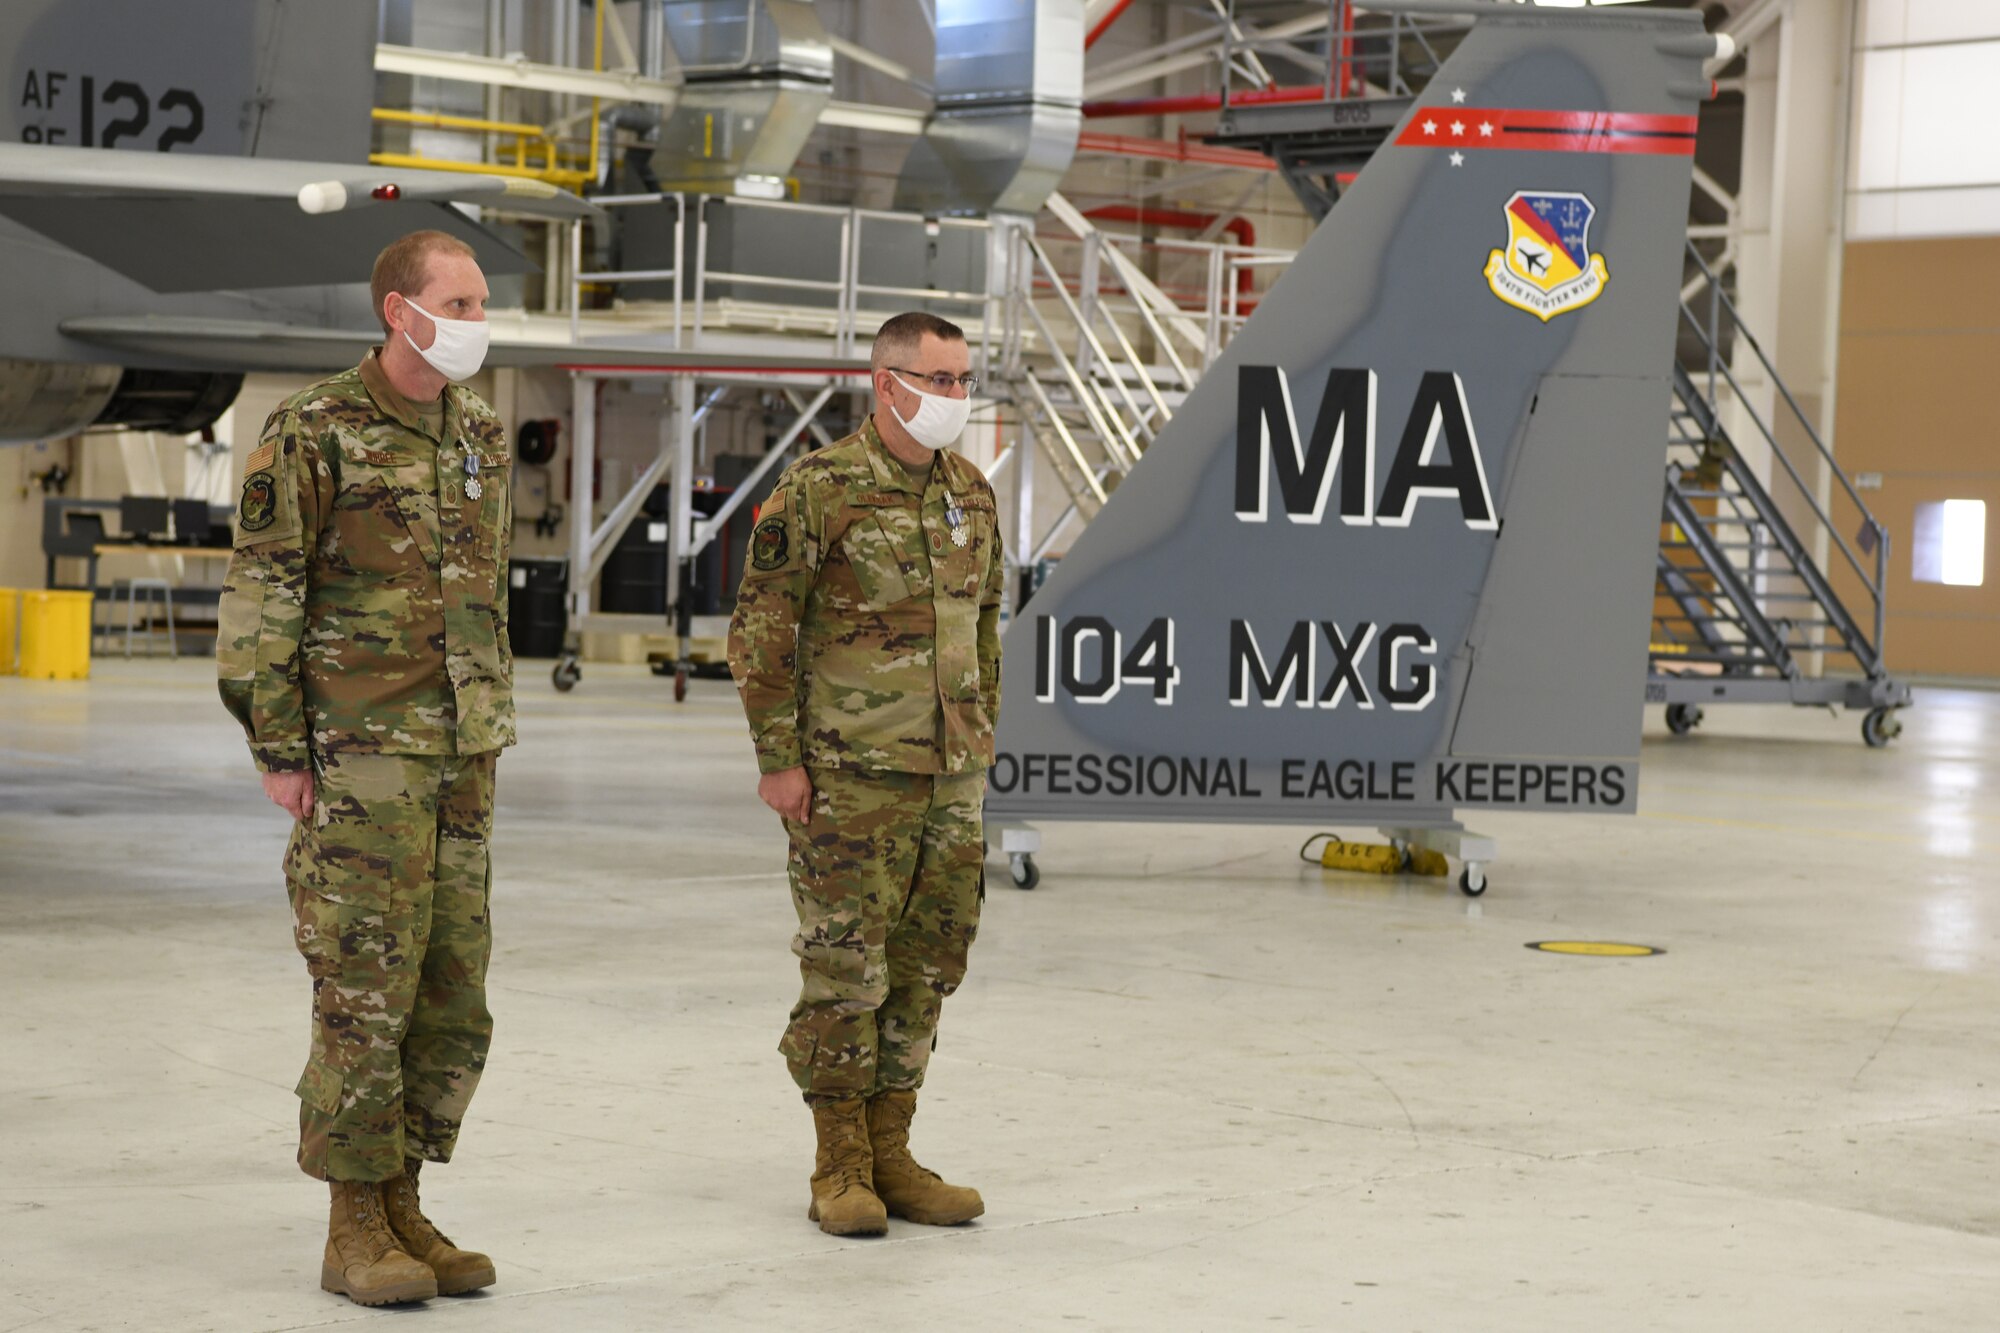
[82, 534]
[143, 517]
[191, 523]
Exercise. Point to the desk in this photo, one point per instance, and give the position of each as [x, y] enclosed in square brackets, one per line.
[75, 529]
[146, 548]
[185, 596]
[102, 549]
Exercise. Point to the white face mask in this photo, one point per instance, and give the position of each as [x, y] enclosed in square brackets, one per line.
[940, 418]
[458, 350]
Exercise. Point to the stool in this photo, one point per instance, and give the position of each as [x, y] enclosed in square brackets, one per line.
[132, 588]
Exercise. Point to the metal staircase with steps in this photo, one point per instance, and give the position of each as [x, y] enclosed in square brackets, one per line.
[1758, 589]
[1092, 411]
[1761, 597]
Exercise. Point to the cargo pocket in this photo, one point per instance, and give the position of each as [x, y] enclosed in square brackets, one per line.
[384, 518]
[319, 1087]
[496, 478]
[240, 622]
[800, 1049]
[886, 551]
[877, 565]
[339, 861]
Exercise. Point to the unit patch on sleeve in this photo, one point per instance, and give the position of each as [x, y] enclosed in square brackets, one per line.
[260, 502]
[770, 544]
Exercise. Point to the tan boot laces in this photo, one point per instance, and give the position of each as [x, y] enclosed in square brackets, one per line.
[893, 1145]
[423, 1232]
[849, 1160]
[371, 1224]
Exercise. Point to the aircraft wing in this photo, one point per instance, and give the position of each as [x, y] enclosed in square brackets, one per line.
[186, 223]
[1393, 556]
[38, 169]
[265, 345]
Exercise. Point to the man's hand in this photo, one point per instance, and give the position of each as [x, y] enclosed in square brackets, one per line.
[293, 792]
[789, 791]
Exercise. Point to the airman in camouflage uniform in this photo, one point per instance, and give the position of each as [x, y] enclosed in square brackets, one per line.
[865, 643]
[362, 644]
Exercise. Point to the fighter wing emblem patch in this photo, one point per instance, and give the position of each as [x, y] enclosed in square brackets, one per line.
[1547, 267]
[770, 544]
[260, 502]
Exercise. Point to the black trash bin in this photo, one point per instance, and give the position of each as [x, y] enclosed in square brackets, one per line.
[535, 619]
[634, 580]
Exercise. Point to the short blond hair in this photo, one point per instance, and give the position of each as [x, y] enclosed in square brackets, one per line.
[403, 266]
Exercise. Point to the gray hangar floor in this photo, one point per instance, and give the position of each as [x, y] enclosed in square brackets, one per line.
[1202, 1085]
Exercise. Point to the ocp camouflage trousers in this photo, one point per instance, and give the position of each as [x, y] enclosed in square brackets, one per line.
[390, 886]
[888, 877]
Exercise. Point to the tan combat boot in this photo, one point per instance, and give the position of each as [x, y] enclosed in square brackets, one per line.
[843, 1199]
[457, 1270]
[907, 1189]
[363, 1261]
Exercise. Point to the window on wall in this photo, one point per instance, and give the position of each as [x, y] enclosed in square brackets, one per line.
[1923, 71]
[1949, 544]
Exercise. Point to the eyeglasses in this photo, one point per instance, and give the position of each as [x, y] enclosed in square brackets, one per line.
[942, 381]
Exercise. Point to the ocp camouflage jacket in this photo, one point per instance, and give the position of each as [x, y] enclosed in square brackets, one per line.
[867, 626]
[365, 607]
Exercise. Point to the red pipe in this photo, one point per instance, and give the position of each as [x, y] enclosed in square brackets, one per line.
[1090, 38]
[1167, 106]
[1347, 74]
[1239, 227]
[1169, 150]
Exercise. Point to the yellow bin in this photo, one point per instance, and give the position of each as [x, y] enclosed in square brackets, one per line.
[55, 635]
[10, 630]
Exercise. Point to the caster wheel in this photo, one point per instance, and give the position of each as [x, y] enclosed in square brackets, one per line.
[1472, 881]
[566, 674]
[1025, 872]
[680, 686]
[1880, 727]
[1682, 718]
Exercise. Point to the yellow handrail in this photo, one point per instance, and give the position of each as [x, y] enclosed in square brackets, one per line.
[548, 150]
[567, 178]
[439, 121]
[597, 63]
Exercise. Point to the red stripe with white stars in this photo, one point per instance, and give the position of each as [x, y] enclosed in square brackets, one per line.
[1478, 128]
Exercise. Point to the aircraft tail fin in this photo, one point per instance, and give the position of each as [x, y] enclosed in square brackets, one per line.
[1392, 556]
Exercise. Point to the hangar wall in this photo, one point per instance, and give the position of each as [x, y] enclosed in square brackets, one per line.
[1919, 324]
[1919, 340]
[21, 507]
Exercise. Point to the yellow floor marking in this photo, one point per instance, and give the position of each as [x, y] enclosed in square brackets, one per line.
[1596, 948]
